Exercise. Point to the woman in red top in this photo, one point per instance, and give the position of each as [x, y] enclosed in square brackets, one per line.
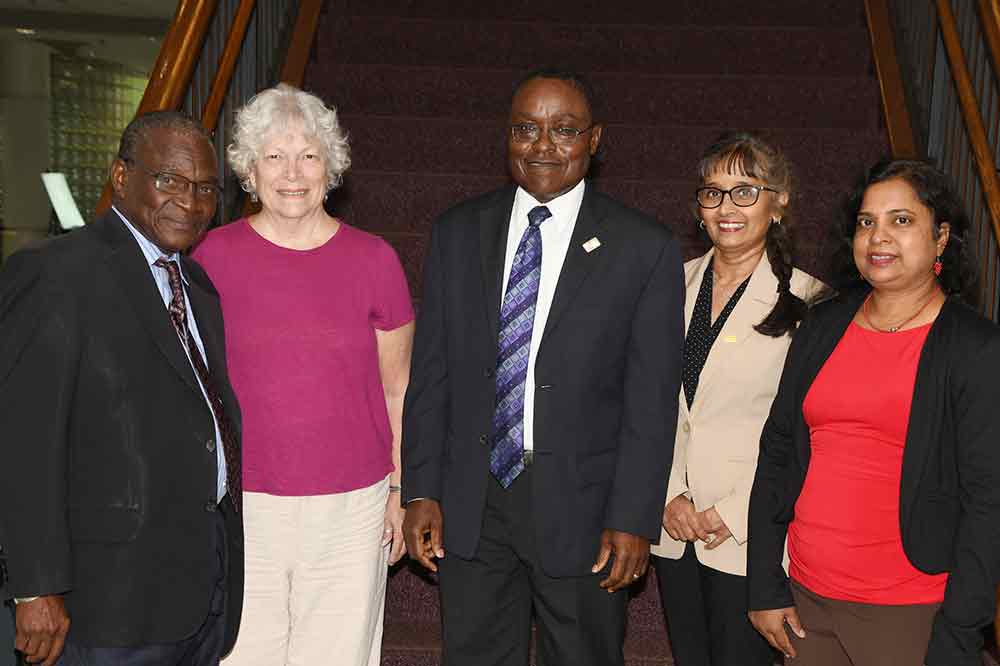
[880, 458]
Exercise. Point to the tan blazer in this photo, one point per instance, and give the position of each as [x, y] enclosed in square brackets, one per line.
[715, 451]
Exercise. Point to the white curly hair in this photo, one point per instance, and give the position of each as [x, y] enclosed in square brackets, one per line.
[274, 109]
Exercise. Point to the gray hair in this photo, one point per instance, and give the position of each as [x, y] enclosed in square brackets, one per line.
[275, 108]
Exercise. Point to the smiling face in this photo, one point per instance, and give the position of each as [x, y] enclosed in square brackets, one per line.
[896, 238]
[290, 175]
[173, 222]
[544, 169]
[741, 229]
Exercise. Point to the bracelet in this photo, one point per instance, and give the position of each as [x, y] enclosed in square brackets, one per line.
[395, 489]
[25, 600]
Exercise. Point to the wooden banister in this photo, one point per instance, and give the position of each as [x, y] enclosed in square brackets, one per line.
[985, 161]
[174, 65]
[293, 70]
[227, 64]
[897, 117]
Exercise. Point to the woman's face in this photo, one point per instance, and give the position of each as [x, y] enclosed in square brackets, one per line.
[895, 242]
[290, 174]
[740, 228]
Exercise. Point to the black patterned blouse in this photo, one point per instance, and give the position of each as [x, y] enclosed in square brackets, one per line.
[702, 332]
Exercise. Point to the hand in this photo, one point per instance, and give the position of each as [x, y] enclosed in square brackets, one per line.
[771, 625]
[631, 558]
[41, 625]
[394, 513]
[680, 519]
[712, 527]
[423, 529]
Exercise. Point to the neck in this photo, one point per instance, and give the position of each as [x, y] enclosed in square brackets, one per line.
[895, 303]
[303, 233]
[736, 265]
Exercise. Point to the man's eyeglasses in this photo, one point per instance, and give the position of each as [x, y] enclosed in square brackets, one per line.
[171, 183]
[741, 195]
[530, 133]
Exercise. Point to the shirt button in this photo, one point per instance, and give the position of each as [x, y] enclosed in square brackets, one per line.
[484, 439]
[211, 506]
[686, 427]
[210, 444]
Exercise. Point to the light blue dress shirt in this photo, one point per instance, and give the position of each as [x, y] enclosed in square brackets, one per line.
[162, 280]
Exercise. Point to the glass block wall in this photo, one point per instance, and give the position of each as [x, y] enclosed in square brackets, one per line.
[92, 101]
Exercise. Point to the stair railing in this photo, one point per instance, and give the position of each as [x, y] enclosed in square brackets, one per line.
[219, 53]
[946, 79]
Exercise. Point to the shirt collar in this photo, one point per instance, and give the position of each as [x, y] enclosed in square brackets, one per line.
[565, 206]
[149, 249]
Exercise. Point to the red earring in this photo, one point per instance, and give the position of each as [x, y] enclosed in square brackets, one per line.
[938, 266]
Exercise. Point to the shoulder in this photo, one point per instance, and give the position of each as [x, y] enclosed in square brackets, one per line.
[219, 240]
[366, 246]
[805, 286]
[967, 329]
[470, 209]
[625, 218]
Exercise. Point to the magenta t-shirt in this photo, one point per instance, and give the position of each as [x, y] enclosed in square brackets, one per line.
[300, 343]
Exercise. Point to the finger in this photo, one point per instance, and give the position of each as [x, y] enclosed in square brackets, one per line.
[784, 643]
[716, 542]
[20, 641]
[386, 535]
[690, 533]
[792, 618]
[621, 571]
[436, 541]
[674, 533]
[602, 559]
[58, 643]
[38, 650]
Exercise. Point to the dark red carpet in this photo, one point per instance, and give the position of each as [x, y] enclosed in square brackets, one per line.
[423, 88]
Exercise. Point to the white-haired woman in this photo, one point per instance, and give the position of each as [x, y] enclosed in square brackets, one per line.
[319, 326]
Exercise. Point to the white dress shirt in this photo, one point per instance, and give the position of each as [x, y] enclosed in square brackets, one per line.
[556, 234]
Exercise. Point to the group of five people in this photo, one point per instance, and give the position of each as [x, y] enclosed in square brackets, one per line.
[570, 400]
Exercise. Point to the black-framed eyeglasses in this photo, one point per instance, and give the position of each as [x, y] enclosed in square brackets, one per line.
[741, 195]
[562, 135]
[172, 183]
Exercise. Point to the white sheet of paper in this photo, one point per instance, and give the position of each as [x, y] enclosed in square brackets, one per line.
[62, 200]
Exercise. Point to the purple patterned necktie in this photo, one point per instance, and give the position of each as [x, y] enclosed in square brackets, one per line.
[178, 315]
[517, 317]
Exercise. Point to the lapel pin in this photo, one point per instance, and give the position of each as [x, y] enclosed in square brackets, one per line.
[592, 244]
[730, 338]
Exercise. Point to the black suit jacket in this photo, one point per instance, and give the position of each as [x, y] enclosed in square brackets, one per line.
[607, 374]
[949, 501]
[108, 483]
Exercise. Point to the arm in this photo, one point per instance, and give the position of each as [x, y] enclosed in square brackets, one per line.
[425, 416]
[40, 337]
[634, 510]
[394, 349]
[969, 601]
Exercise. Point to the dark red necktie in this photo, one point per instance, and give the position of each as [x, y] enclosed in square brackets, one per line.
[178, 315]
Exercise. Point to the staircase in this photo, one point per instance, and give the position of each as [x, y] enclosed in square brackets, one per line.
[423, 87]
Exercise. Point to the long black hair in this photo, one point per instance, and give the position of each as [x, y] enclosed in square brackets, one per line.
[747, 154]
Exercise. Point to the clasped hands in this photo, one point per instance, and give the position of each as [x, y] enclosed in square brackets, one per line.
[685, 523]
[422, 529]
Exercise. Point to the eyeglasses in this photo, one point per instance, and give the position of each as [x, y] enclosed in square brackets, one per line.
[530, 133]
[171, 183]
[741, 195]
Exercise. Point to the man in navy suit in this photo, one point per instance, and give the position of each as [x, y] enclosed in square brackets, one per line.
[539, 421]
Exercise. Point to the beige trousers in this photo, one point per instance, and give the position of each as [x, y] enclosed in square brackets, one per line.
[315, 579]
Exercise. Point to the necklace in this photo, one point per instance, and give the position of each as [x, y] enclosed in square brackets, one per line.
[893, 329]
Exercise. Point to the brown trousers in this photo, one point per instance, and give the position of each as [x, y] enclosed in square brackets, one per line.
[845, 633]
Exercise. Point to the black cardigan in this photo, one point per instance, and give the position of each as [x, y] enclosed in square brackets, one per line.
[949, 504]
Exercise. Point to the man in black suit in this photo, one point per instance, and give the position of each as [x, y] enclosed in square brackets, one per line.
[119, 492]
[539, 420]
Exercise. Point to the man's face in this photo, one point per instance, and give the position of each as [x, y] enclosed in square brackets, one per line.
[174, 222]
[547, 169]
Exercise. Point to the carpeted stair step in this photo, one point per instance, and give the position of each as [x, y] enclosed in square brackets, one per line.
[664, 12]
[484, 94]
[649, 152]
[652, 49]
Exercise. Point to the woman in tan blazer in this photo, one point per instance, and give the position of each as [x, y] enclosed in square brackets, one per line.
[744, 301]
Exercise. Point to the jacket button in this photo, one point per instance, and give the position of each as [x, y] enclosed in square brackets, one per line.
[484, 439]
[210, 445]
[489, 373]
[686, 427]
[211, 506]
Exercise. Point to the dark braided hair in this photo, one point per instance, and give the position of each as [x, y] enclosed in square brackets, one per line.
[747, 154]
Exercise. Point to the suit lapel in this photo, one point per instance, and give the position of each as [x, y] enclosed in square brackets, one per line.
[578, 263]
[133, 276]
[757, 300]
[494, 223]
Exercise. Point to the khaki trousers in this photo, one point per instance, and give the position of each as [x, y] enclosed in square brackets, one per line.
[845, 633]
[315, 579]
